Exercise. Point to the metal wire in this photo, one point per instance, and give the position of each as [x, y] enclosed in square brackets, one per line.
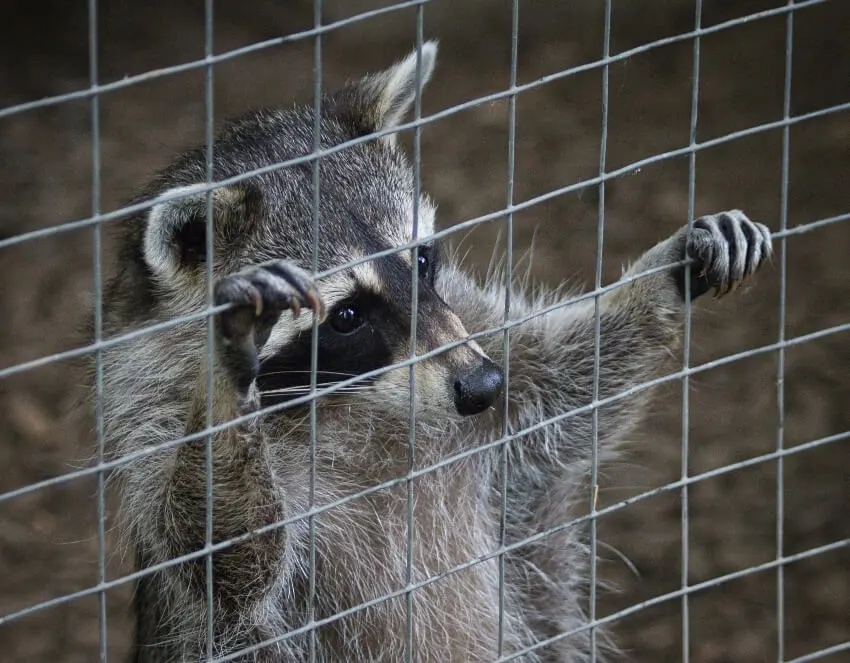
[278, 41]
[714, 582]
[314, 340]
[822, 653]
[97, 282]
[597, 336]
[414, 323]
[780, 354]
[693, 370]
[209, 241]
[413, 584]
[686, 343]
[223, 545]
[517, 207]
[506, 338]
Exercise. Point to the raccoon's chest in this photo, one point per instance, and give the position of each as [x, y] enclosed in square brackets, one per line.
[367, 559]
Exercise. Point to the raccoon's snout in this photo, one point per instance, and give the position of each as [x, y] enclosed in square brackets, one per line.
[478, 387]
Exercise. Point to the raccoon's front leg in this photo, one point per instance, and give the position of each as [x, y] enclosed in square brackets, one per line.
[245, 495]
[643, 320]
[552, 356]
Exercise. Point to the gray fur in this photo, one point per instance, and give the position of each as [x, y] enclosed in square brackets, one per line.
[155, 392]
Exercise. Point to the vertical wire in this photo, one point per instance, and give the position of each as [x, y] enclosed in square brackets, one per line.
[210, 249]
[97, 249]
[780, 358]
[686, 343]
[414, 305]
[506, 344]
[597, 334]
[314, 339]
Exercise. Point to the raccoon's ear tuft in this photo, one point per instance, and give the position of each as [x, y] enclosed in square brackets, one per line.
[176, 230]
[384, 98]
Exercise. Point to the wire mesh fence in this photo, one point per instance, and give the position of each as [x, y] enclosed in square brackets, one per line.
[307, 635]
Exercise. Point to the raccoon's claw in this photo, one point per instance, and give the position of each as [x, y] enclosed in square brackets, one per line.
[269, 290]
[303, 292]
[259, 295]
[727, 248]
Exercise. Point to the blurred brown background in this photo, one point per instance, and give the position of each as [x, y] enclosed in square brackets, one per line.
[48, 544]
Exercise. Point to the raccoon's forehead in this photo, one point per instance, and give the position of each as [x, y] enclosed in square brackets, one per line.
[375, 215]
[415, 221]
[370, 213]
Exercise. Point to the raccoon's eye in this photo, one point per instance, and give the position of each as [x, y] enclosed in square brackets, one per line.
[424, 261]
[347, 318]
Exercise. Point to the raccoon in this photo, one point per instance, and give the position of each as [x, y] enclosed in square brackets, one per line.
[312, 558]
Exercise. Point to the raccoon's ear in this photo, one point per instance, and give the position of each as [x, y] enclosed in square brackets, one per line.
[176, 229]
[381, 100]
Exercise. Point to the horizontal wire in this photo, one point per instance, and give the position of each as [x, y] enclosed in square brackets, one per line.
[277, 41]
[137, 455]
[713, 582]
[216, 547]
[814, 225]
[663, 598]
[822, 653]
[123, 212]
[164, 72]
[127, 210]
[199, 315]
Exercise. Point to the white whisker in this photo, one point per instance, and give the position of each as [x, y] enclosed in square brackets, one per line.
[302, 371]
[305, 389]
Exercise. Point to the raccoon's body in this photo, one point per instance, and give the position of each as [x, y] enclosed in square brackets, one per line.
[155, 392]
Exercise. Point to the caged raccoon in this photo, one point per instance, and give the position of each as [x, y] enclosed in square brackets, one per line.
[155, 391]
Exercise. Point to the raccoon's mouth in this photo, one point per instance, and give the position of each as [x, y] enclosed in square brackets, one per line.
[478, 387]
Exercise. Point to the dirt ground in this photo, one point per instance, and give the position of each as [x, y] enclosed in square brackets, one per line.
[48, 542]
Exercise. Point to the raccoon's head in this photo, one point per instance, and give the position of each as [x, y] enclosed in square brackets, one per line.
[366, 204]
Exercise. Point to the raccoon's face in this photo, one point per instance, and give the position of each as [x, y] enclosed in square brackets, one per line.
[368, 327]
[367, 205]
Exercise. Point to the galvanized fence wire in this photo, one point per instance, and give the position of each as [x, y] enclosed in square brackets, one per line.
[780, 354]
[98, 218]
[97, 283]
[686, 341]
[314, 344]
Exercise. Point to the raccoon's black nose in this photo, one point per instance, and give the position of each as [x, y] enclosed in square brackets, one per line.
[478, 388]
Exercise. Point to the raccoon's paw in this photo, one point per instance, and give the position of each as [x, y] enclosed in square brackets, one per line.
[727, 248]
[258, 297]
